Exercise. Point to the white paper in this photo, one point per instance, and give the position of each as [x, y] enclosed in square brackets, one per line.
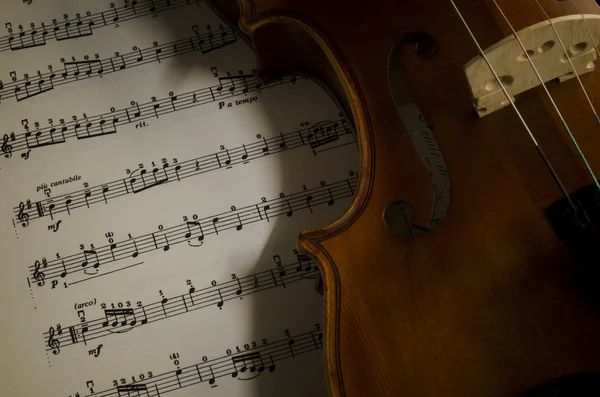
[159, 321]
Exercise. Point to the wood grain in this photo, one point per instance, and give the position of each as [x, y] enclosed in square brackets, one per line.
[490, 303]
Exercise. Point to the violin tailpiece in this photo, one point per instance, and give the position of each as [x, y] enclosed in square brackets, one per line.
[545, 51]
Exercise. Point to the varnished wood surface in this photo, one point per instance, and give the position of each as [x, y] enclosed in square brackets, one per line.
[490, 303]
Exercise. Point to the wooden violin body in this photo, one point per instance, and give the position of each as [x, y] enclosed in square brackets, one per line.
[490, 302]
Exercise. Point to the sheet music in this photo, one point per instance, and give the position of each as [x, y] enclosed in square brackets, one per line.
[152, 194]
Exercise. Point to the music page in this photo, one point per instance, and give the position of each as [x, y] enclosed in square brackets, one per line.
[152, 192]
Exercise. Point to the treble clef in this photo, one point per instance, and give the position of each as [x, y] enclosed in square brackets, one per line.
[39, 275]
[53, 344]
[22, 216]
[6, 147]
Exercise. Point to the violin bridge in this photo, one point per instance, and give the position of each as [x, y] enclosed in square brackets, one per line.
[547, 54]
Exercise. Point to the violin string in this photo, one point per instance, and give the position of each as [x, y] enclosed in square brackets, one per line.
[587, 27]
[508, 96]
[570, 61]
[562, 119]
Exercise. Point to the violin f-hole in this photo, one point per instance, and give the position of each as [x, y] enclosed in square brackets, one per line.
[397, 215]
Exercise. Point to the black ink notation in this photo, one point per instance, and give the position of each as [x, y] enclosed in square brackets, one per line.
[165, 238]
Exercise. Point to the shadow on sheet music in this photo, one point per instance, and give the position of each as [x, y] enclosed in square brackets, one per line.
[292, 364]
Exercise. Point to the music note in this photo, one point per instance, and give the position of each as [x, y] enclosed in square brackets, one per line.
[86, 261]
[53, 343]
[266, 148]
[245, 155]
[135, 252]
[166, 246]
[162, 302]
[241, 225]
[116, 313]
[214, 222]
[272, 366]
[283, 144]
[64, 272]
[22, 216]
[134, 387]
[245, 359]
[290, 344]
[220, 303]
[105, 189]
[240, 290]
[291, 211]
[141, 57]
[331, 199]
[68, 201]
[211, 381]
[266, 208]
[306, 260]
[308, 200]
[113, 246]
[189, 233]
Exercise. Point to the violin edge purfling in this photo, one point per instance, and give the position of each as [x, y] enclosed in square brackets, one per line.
[489, 302]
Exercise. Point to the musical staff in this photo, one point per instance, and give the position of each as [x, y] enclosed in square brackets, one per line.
[85, 24]
[265, 210]
[97, 125]
[245, 365]
[123, 320]
[143, 180]
[74, 71]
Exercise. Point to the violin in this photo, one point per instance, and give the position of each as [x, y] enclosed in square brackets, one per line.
[468, 261]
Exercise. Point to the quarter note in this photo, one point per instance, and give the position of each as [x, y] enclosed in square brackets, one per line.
[141, 57]
[64, 272]
[272, 366]
[162, 302]
[241, 225]
[211, 381]
[113, 246]
[308, 200]
[283, 144]
[135, 252]
[331, 199]
[240, 290]
[68, 201]
[145, 319]
[290, 344]
[245, 155]
[291, 211]
[105, 189]
[266, 148]
[220, 302]
[265, 209]
[214, 222]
